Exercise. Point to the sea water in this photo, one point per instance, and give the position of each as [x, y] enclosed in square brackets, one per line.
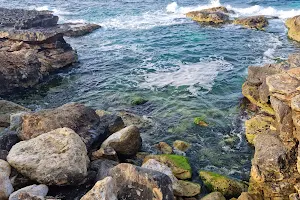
[149, 48]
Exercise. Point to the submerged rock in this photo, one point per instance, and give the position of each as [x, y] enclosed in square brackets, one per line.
[179, 164]
[140, 183]
[83, 120]
[36, 192]
[164, 148]
[181, 145]
[219, 183]
[126, 142]
[254, 22]
[293, 25]
[103, 190]
[58, 157]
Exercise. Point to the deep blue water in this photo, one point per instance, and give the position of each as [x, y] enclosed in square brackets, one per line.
[148, 48]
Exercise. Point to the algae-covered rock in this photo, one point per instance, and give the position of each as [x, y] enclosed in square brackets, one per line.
[293, 24]
[164, 148]
[187, 189]
[179, 164]
[209, 16]
[257, 125]
[181, 145]
[254, 22]
[252, 94]
[138, 101]
[227, 186]
[200, 121]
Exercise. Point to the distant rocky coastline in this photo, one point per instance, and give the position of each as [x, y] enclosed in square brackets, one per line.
[76, 152]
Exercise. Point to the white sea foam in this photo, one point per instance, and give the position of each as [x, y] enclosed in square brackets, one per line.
[202, 73]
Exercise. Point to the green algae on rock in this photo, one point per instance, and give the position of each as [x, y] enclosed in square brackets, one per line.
[200, 121]
[179, 164]
[257, 125]
[254, 22]
[138, 101]
[219, 183]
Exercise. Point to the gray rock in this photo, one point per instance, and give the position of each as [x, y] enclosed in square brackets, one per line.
[214, 196]
[38, 191]
[5, 185]
[102, 167]
[126, 142]
[8, 108]
[58, 157]
[8, 139]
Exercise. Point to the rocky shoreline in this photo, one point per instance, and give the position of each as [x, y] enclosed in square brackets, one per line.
[76, 152]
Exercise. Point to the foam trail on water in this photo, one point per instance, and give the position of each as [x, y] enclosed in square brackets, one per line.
[202, 73]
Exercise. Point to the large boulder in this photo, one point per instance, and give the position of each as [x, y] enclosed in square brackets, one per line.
[6, 187]
[179, 164]
[37, 192]
[293, 25]
[83, 120]
[126, 142]
[58, 157]
[103, 190]
[254, 22]
[140, 183]
[6, 109]
[218, 183]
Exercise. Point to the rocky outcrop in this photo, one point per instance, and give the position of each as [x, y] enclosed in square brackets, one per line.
[275, 134]
[226, 186]
[126, 142]
[55, 158]
[140, 183]
[31, 47]
[293, 25]
[78, 29]
[254, 22]
[83, 120]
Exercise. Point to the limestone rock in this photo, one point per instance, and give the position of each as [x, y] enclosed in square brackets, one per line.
[257, 125]
[179, 164]
[214, 196]
[140, 183]
[294, 60]
[284, 85]
[218, 183]
[83, 120]
[6, 187]
[79, 29]
[181, 145]
[251, 92]
[6, 109]
[125, 142]
[142, 122]
[208, 17]
[187, 189]
[30, 192]
[103, 190]
[247, 196]
[217, 9]
[58, 157]
[254, 22]
[293, 24]
[164, 148]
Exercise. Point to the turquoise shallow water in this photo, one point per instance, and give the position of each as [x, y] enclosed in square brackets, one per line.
[148, 48]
